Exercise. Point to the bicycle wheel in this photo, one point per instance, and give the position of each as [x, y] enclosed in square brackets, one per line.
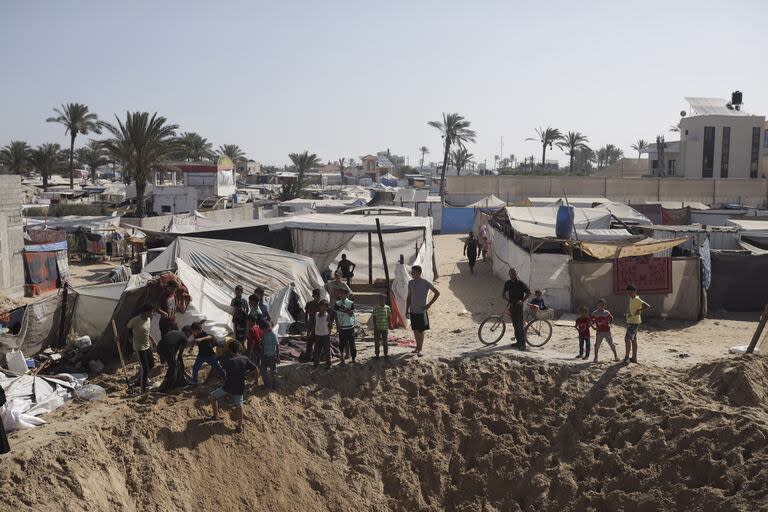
[491, 330]
[538, 332]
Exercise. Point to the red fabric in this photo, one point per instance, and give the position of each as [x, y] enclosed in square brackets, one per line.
[254, 337]
[41, 272]
[602, 323]
[582, 325]
[649, 274]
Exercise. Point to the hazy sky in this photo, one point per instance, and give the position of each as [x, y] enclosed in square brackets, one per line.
[346, 78]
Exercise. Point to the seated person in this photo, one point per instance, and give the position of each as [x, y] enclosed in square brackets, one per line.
[538, 301]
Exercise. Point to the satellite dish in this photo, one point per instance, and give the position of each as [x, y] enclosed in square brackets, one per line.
[682, 113]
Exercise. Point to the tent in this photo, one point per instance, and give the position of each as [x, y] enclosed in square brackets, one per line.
[595, 218]
[490, 202]
[754, 232]
[323, 237]
[388, 180]
[94, 307]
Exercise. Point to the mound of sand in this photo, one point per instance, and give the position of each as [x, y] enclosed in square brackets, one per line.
[486, 434]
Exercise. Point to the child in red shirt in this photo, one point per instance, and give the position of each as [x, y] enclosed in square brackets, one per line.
[582, 326]
[253, 337]
[601, 321]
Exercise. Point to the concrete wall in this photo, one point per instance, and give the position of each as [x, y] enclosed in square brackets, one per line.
[463, 190]
[11, 237]
[238, 214]
[626, 168]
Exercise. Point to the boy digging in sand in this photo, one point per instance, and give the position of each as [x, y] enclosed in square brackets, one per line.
[236, 366]
[635, 307]
[601, 322]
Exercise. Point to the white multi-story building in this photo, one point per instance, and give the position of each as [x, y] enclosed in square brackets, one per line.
[719, 140]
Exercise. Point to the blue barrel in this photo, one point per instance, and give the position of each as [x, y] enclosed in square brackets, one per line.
[564, 223]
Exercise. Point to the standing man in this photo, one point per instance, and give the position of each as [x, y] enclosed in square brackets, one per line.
[139, 326]
[167, 309]
[170, 349]
[515, 293]
[347, 268]
[239, 308]
[313, 307]
[336, 287]
[470, 251]
[416, 306]
[345, 320]
[261, 307]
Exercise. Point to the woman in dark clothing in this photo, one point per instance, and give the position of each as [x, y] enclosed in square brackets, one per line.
[4, 446]
[470, 250]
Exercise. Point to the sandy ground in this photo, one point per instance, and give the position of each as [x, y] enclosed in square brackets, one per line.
[465, 428]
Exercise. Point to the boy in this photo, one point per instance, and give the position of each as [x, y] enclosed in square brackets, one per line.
[239, 310]
[601, 322]
[582, 326]
[538, 300]
[381, 315]
[205, 352]
[635, 307]
[270, 355]
[345, 320]
[416, 306]
[139, 326]
[311, 310]
[322, 333]
[254, 337]
[237, 366]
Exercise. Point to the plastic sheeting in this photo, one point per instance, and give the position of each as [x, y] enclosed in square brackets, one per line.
[593, 280]
[94, 308]
[29, 396]
[739, 282]
[547, 272]
[612, 250]
[322, 247]
[594, 218]
[39, 325]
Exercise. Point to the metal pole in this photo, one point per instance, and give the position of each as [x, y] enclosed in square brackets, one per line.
[370, 259]
[758, 331]
[383, 257]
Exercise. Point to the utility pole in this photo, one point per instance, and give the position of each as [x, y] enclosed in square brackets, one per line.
[501, 150]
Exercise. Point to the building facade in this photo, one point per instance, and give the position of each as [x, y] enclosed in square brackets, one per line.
[11, 237]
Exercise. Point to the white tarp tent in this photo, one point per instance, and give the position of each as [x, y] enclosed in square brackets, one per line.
[94, 307]
[752, 231]
[548, 232]
[323, 237]
[592, 218]
[488, 202]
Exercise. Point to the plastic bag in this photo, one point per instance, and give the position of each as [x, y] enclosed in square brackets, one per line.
[91, 392]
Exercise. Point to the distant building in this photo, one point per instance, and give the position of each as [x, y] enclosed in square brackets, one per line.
[718, 140]
[376, 165]
[198, 182]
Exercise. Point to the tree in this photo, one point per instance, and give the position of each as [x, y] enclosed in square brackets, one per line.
[424, 150]
[570, 143]
[233, 151]
[342, 161]
[455, 130]
[674, 128]
[142, 144]
[47, 159]
[613, 154]
[460, 158]
[303, 163]
[547, 137]
[640, 146]
[583, 159]
[92, 156]
[15, 156]
[76, 120]
[195, 148]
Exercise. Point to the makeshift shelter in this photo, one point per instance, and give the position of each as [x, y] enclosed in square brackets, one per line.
[399, 211]
[323, 237]
[46, 267]
[388, 180]
[490, 202]
[94, 307]
[754, 232]
[583, 218]
[251, 231]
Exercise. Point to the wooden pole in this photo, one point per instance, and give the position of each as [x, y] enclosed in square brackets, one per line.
[383, 257]
[370, 259]
[122, 360]
[61, 340]
[758, 331]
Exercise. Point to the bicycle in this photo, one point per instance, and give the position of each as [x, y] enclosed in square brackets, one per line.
[538, 331]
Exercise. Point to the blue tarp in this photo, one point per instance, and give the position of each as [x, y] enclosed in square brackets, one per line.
[53, 246]
[458, 220]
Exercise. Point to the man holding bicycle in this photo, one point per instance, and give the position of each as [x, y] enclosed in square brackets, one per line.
[515, 293]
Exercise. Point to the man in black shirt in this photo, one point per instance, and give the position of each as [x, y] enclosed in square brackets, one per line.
[170, 350]
[515, 293]
[347, 268]
[237, 367]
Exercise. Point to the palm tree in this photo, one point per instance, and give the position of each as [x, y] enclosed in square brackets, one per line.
[455, 130]
[303, 163]
[424, 150]
[47, 159]
[76, 120]
[195, 148]
[584, 158]
[640, 146]
[546, 137]
[342, 161]
[460, 158]
[613, 154]
[571, 143]
[15, 156]
[674, 128]
[143, 144]
[233, 151]
[92, 156]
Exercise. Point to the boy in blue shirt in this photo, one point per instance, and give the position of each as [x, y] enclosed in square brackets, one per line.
[345, 320]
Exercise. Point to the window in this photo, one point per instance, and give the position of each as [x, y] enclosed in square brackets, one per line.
[166, 209]
[755, 157]
[671, 167]
[708, 157]
[654, 165]
[726, 152]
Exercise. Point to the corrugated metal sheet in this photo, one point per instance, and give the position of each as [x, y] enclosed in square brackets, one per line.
[718, 240]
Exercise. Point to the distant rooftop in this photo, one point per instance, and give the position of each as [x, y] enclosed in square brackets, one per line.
[713, 107]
